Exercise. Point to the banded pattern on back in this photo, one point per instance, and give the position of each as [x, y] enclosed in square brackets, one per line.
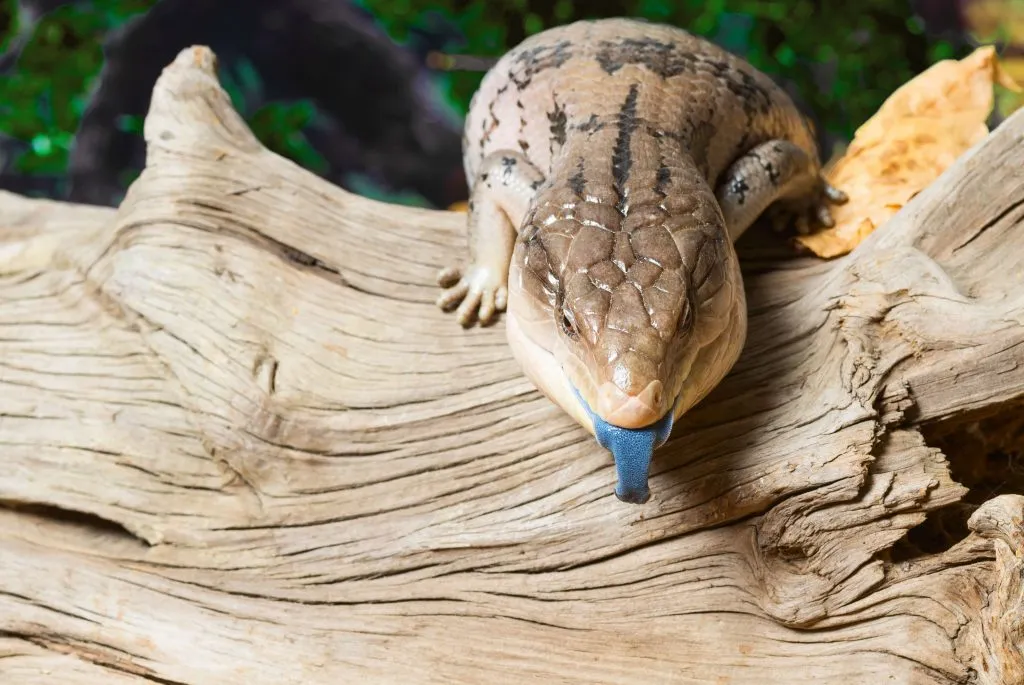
[624, 242]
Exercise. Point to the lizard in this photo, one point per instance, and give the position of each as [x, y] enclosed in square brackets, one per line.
[612, 163]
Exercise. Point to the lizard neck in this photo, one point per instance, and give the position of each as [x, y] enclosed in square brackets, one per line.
[626, 163]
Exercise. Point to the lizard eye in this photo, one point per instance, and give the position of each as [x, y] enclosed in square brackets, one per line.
[568, 324]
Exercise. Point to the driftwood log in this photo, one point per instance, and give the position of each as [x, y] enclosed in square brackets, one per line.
[239, 444]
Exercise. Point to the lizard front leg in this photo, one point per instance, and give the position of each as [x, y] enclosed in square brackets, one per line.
[775, 173]
[502, 192]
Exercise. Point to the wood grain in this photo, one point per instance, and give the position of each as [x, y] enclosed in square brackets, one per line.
[239, 444]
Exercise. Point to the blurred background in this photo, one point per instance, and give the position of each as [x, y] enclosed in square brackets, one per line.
[370, 94]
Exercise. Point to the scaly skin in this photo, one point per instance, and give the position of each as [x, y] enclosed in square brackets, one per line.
[612, 163]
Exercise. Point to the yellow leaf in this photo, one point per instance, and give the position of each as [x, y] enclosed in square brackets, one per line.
[459, 207]
[826, 244]
[917, 133]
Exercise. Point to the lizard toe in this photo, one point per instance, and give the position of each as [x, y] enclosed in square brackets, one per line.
[824, 216]
[449, 276]
[487, 307]
[453, 295]
[468, 309]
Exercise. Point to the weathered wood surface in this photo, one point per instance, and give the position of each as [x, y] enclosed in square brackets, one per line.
[239, 444]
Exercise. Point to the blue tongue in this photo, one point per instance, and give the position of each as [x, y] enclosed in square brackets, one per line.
[632, 449]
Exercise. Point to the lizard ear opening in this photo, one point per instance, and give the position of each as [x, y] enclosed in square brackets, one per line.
[686, 317]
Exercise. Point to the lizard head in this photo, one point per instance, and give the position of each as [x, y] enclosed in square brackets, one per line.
[625, 330]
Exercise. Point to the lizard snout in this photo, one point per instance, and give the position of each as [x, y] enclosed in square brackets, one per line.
[626, 410]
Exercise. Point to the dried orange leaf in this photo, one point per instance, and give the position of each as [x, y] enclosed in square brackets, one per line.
[829, 244]
[918, 132]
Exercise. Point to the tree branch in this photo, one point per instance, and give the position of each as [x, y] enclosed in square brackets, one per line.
[309, 474]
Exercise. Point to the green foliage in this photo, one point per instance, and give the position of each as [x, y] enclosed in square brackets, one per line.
[278, 125]
[844, 58]
[43, 100]
[865, 49]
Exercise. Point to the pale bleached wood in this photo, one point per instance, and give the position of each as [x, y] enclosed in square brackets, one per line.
[309, 475]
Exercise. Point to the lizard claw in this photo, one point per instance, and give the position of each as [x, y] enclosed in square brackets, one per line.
[806, 212]
[834, 195]
[480, 291]
[824, 216]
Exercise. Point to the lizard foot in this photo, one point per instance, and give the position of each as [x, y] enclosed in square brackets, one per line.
[806, 212]
[481, 291]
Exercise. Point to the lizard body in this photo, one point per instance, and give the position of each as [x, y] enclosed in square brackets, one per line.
[611, 165]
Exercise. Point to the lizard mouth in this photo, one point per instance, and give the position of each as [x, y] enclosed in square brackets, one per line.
[632, 449]
[643, 421]
[631, 411]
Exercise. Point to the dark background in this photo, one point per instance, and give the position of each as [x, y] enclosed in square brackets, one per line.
[370, 93]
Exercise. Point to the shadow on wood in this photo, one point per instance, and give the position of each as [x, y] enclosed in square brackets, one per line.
[239, 444]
